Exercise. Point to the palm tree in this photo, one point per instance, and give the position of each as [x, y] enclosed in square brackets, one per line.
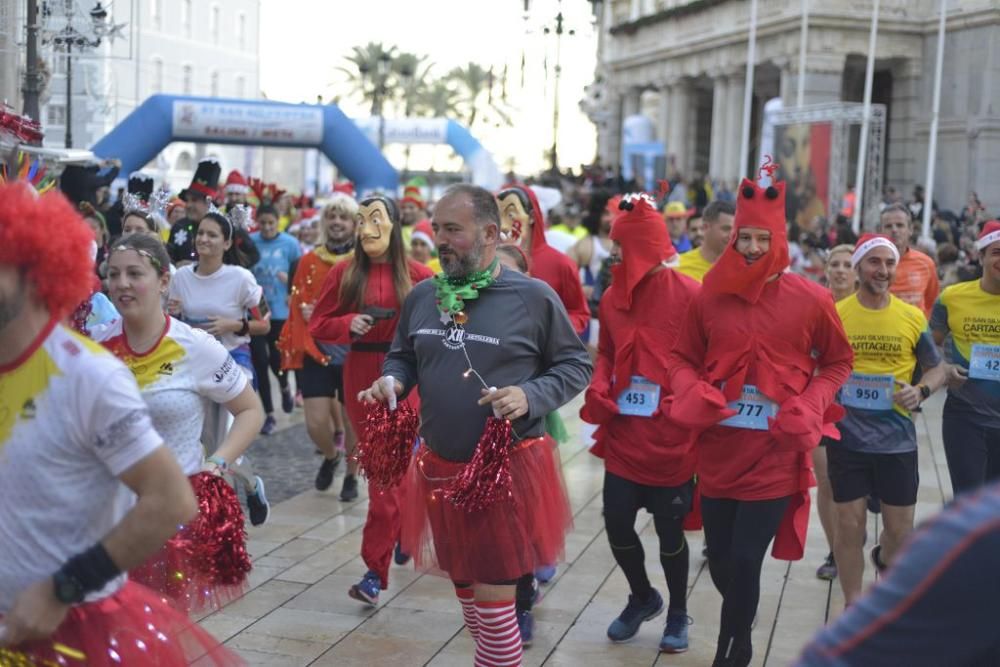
[472, 81]
[439, 99]
[367, 61]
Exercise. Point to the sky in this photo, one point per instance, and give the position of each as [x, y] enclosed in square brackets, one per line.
[304, 41]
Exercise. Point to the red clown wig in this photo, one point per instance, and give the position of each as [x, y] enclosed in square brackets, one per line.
[49, 240]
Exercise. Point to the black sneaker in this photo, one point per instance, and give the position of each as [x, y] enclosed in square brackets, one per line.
[349, 491]
[257, 503]
[287, 401]
[324, 478]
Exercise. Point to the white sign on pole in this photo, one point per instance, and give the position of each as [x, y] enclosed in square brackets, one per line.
[257, 123]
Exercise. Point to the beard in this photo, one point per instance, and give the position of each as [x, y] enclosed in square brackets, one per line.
[458, 266]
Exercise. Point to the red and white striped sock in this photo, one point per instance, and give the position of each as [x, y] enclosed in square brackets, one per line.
[468, 600]
[499, 642]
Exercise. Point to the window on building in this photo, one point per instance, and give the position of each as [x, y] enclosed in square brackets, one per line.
[157, 75]
[215, 84]
[241, 31]
[55, 114]
[186, 17]
[188, 79]
[215, 23]
[241, 84]
[154, 11]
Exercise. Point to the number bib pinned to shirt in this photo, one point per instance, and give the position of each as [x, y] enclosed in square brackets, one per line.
[985, 362]
[868, 392]
[752, 410]
[640, 399]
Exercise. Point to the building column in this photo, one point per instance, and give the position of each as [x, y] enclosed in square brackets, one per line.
[678, 144]
[732, 169]
[611, 132]
[717, 145]
[823, 81]
[663, 116]
[630, 102]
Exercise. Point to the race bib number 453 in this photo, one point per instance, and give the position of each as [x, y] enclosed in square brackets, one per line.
[985, 362]
[752, 410]
[640, 399]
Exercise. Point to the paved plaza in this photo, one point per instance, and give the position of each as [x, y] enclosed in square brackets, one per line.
[306, 558]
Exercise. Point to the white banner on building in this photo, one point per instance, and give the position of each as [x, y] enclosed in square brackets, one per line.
[406, 130]
[253, 123]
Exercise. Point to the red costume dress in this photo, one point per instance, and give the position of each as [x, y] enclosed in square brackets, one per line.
[331, 323]
[555, 268]
[784, 337]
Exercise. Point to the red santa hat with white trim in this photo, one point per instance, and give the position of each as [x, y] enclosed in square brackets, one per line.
[236, 183]
[989, 235]
[869, 242]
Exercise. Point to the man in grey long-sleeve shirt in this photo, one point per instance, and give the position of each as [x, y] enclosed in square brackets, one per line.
[515, 333]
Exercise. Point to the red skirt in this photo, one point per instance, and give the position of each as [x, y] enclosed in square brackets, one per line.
[205, 565]
[501, 543]
[131, 627]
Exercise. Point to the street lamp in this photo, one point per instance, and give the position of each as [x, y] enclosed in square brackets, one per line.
[558, 30]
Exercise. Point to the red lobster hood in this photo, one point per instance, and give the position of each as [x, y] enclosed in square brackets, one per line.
[645, 243]
[537, 216]
[760, 208]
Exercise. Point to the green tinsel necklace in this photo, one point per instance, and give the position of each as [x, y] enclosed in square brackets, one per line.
[452, 293]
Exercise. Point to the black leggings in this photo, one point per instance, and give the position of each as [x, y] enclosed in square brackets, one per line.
[737, 534]
[264, 353]
[668, 505]
[972, 451]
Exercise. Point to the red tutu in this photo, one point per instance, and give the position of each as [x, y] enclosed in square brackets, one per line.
[205, 565]
[131, 627]
[502, 542]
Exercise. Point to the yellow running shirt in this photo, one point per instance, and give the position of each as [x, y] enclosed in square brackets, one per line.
[887, 343]
[694, 265]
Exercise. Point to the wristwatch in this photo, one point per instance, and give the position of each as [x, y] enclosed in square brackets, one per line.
[68, 589]
[925, 391]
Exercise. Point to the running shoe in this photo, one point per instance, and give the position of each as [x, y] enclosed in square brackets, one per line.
[675, 635]
[400, 556]
[367, 589]
[828, 570]
[287, 401]
[349, 491]
[636, 611]
[545, 574]
[324, 478]
[269, 426]
[526, 624]
[257, 503]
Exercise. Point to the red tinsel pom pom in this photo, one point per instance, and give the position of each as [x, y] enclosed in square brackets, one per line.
[218, 537]
[384, 451]
[485, 479]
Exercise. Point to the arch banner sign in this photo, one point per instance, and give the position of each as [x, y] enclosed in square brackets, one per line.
[195, 120]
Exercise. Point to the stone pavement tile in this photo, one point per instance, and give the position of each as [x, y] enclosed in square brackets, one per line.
[259, 548]
[264, 599]
[278, 646]
[261, 659]
[280, 563]
[261, 574]
[574, 654]
[397, 622]
[330, 595]
[335, 528]
[363, 650]
[223, 625]
[328, 559]
[298, 548]
[429, 593]
[308, 626]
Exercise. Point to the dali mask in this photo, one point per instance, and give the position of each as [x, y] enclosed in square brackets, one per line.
[515, 217]
[374, 227]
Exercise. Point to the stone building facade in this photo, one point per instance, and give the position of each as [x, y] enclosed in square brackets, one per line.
[683, 63]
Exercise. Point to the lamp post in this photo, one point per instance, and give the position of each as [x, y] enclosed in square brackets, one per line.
[558, 30]
[70, 36]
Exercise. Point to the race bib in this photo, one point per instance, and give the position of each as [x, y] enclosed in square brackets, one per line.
[640, 399]
[868, 392]
[752, 410]
[985, 362]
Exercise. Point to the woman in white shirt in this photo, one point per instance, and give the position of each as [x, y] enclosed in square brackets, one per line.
[222, 298]
[179, 371]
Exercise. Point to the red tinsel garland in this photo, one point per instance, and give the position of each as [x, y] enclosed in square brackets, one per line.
[217, 539]
[384, 451]
[22, 127]
[485, 479]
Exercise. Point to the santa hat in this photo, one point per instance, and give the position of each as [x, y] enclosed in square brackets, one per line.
[422, 231]
[758, 208]
[989, 235]
[206, 179]
[612, 205]
[345, 187]
[869, 242]
[236, 184]
[412, 194]
[676, 209]
[645, 243]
